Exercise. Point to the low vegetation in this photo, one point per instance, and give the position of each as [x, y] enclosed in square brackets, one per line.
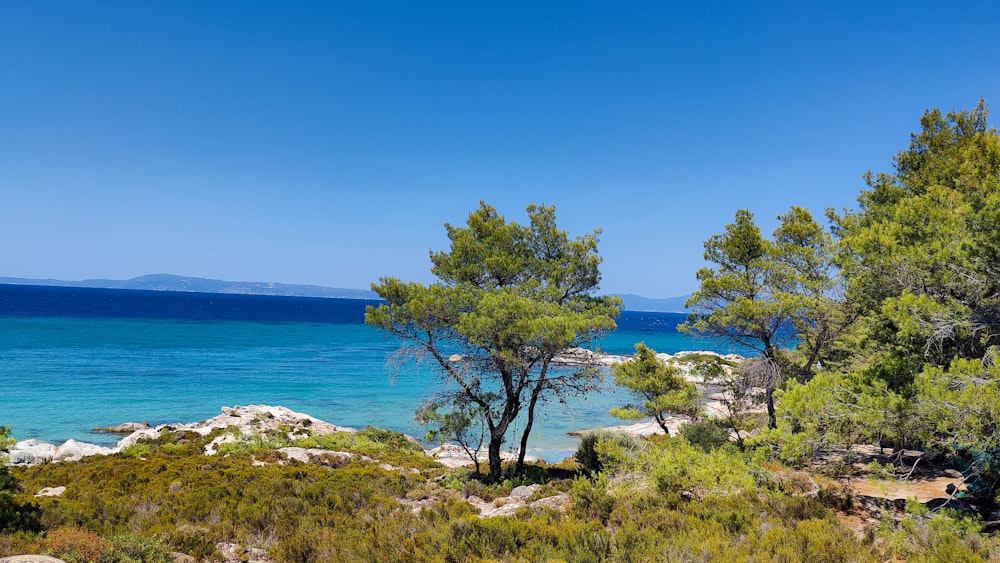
[631, 499]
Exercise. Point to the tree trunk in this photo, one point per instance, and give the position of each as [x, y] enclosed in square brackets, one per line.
[772, 420]
[496, 469]
[663, 423]
[519, 468]
[771, 384]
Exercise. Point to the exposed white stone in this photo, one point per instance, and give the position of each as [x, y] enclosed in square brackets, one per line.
[124, 428]
[523, 492]
[51, 492]
[452, 455]
[31, 452]
[71, 450]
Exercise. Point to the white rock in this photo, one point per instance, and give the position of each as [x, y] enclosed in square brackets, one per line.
[71, 450]
[124, 428]
[247, 419]
[509, 505]
[51, 492]
[133, 438]
[305, 455]
[31, 452]
[523, 492]
[452, 455]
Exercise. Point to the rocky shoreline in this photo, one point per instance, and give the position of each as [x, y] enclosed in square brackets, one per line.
[245, 420]
[236, 421]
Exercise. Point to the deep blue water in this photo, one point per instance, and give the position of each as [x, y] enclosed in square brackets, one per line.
[76, 358]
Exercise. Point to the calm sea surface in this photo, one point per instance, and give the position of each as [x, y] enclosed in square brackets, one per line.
[72, 359]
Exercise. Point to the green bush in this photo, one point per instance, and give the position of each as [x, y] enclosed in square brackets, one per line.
[137, 450]
[367, 441]
[656, 500]
[709, 435]
[15, 515]
[599, 447]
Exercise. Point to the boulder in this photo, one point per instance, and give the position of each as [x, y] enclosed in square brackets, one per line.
[647, 428]
[30, 559]
[509, 505]
[134, 437]
[305, 455]
[523, 492]
[452, 455]
[247, 419]
[124, 428]
[71, 450]
[51, 492]
[31, 452]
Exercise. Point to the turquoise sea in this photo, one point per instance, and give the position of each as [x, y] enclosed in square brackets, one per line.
[73, 359]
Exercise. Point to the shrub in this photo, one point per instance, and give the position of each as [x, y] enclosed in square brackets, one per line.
[137, 450]
[368, 441]
[708, 434]
[129, 549]
[591, 499]
[14, 515]
[600, 448]
[76, 545]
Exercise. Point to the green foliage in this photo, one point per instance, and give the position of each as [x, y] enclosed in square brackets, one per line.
[680, 467]
[509, 298]
[759, 288]
[462, 422]
[369, 441]
[703, 358]
[665, 501]
[602, 448]
[659, 387]
[137, 450]
[591, 498]
[192, 502]
[922, 251]
[253, 443]
[960, 412]
[77, 545]
[708, 434]
[5, 443]
[936, 538]
[14, 514]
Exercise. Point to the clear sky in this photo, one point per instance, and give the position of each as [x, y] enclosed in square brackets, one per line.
[327, 143]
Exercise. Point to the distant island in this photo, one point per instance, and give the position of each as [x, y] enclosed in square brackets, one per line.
[169, 282]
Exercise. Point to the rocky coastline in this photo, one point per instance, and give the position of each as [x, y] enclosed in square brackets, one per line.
[235, 421]
[245, 420]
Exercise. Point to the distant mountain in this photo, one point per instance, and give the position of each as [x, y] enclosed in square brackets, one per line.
[167, 282]
[639, 303]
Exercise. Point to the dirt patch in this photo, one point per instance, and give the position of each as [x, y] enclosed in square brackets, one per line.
[923, 489]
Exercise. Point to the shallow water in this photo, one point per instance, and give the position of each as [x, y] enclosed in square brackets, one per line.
[64, 374]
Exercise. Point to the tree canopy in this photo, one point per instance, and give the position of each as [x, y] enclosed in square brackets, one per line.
[922, 251]
[659, 388]
[509, 299]
[919, 262]
[765, 294]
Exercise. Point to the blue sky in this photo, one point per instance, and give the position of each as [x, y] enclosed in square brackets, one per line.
[327, 143]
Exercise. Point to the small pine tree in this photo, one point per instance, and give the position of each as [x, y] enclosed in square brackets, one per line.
[659, 388]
